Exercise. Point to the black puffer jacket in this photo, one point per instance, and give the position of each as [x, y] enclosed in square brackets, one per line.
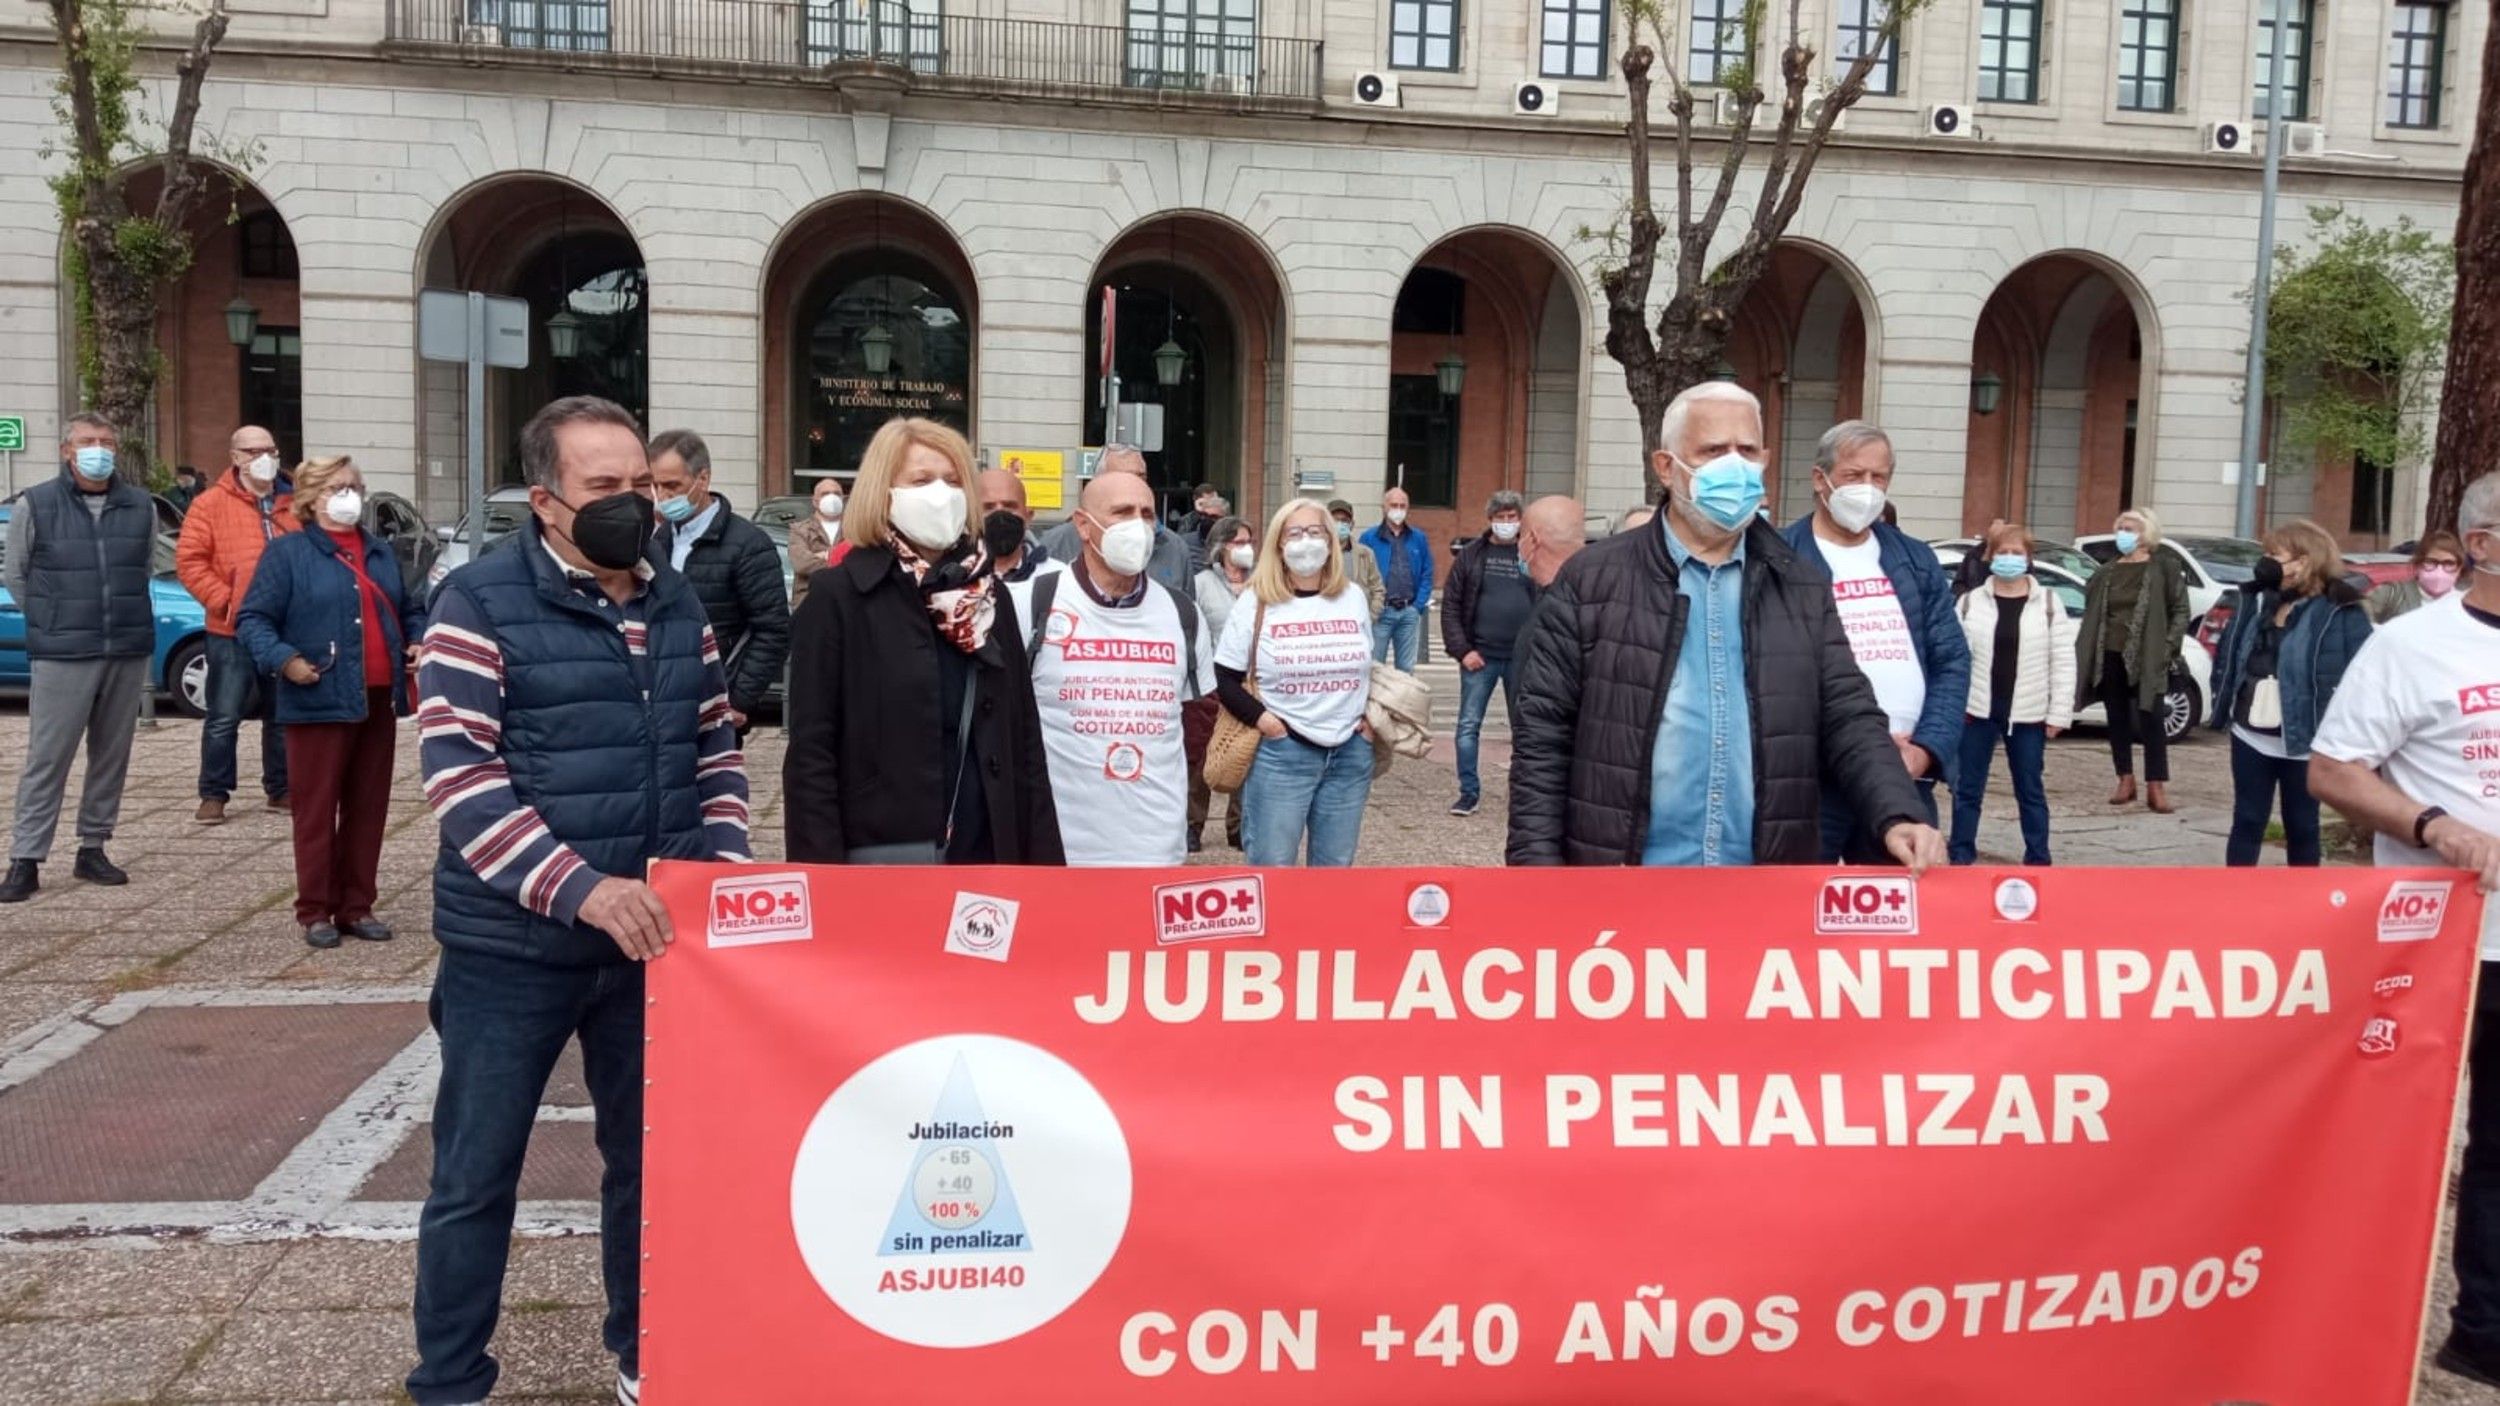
[737, 575]
[1592, 688]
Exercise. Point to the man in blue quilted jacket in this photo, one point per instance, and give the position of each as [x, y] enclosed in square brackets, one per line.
[575, 725]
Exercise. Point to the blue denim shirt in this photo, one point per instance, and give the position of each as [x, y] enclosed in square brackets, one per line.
[1701, 768]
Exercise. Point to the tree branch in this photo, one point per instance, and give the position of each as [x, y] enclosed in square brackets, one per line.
[182, 175]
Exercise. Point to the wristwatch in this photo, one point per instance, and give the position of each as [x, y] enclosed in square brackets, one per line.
[2422, 822]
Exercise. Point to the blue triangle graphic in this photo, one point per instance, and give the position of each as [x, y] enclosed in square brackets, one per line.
[956, 1199]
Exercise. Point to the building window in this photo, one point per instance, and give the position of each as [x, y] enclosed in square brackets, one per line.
[1575, 39]
[273, 387]
[894, 31]
[1718, 39]
[2148, 55]
[2373, 497]
[2415, 46]
[2297, 17]
[1423, 34]
[1861, 24]
[267, 250]
[1184, 43]
[1423, 440]
[2009, 51]
[580, 25]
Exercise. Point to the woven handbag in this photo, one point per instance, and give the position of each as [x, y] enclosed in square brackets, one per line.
[1235, 744]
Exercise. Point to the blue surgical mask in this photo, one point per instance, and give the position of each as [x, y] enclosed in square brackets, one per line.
[1728, 490]
[676, 509]
[94, 462]
[2127, 542]
[2008, 565]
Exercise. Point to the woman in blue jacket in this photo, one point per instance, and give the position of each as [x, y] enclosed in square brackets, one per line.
[2299, 624]
[327, 614]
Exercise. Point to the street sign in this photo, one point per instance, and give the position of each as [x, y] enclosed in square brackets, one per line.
[12, 434]
[443, 327]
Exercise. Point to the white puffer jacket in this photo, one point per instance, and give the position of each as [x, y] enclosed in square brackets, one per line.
[2044, 674]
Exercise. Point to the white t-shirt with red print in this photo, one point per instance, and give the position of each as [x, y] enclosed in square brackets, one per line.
[1315, 660]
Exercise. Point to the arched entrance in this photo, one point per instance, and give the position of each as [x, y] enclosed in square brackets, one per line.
[1799, 342]
[1495, 317]
[870, 313]
[560, 248]
[2060, 385]
[1200, 284]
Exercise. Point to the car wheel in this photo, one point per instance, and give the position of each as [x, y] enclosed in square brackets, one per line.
[2180, 708]
[187, 670]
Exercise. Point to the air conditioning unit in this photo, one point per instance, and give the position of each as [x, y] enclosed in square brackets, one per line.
[1724, 109]
[482, 36]
[1535, 100]
[1948, 120]
[1376, 90]
[2304, 139]
[2226, 139]
[1814, 114]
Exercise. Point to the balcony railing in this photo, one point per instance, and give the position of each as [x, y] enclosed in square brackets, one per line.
[1209, 62]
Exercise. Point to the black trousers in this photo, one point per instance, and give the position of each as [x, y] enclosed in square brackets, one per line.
[2126, 720]
[2475, 1322]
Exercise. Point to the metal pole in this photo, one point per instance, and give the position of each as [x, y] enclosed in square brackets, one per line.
[2252, 407]
[477, 425]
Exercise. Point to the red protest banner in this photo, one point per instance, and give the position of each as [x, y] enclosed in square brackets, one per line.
[1506, 1136]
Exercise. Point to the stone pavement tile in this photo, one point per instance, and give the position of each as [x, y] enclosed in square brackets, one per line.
[559, 1269]
[333, 1274]
[23, 1005]
[95, 1361]
[239, 958]
[552, 1351]
[192, 1277]
[359, 1354]
[80, 966]
[388, 963]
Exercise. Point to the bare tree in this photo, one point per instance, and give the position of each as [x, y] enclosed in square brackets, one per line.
[1691, 330]
[121, 259]
[2469, 401]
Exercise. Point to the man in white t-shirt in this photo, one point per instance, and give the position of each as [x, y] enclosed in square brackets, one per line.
[2411, 748]
[1115, 655]
[1896, 606]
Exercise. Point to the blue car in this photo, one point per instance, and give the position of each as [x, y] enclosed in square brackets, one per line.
[181, 663]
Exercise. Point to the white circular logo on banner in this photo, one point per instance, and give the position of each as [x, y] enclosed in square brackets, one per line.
[2017, 900]
[1428, 905]
[960, 1191]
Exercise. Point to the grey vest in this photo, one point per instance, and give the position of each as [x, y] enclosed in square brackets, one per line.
[87, 583]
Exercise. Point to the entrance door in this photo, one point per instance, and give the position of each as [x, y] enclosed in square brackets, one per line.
[273, 389]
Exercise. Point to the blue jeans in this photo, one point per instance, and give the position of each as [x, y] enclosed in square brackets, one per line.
[2026, 754]
[235, 692]
[1395, 636]
[1475, 694]
[503, 1021]
[2255, 778]
[1297, 789]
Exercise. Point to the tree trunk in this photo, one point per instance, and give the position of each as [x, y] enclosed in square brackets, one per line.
[2469, 401]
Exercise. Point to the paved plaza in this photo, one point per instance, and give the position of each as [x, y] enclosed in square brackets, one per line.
[214, 1141]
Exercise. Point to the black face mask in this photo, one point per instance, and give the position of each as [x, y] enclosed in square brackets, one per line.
[2267, 574]
[1003, 532]
[612, 532]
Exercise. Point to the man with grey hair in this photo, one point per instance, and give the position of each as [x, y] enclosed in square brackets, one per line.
[1896, 606]
[1484, 605]
[80, 549]
[1686, 691]
[1637, 516]
[1174, 559]
[734, 568]
[2404, 752]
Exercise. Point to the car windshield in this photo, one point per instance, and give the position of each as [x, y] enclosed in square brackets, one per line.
[2229, 560]
[2068, 559]
[502, 520]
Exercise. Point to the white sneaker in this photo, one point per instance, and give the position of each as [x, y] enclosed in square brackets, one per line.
[628, 1389]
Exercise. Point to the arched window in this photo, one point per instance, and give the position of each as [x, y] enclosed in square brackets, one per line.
[878, 307]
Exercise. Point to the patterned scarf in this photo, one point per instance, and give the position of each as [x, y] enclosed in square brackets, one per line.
[955, 588]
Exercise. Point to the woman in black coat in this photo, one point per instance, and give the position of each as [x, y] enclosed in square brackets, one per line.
[913, 735]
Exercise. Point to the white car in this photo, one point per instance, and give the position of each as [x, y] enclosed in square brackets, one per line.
[2182, 706]
[2214, 565]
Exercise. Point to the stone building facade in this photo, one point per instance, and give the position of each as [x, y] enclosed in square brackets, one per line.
[776, 220]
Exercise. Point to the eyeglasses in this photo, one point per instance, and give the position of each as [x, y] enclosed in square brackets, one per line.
[1309, 534]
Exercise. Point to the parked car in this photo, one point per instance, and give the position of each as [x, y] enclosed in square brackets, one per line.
[2379, 568]
[780, 512]
[2191, 682]
[505, 508]
[2212, 564]
[180, 663]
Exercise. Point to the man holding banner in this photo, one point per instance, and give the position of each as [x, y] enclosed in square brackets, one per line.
[575, 663]
[2407, 749]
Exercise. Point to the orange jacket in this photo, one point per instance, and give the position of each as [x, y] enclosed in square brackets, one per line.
[222, 539]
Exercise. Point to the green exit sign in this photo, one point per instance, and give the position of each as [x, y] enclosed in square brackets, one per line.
[12, 433]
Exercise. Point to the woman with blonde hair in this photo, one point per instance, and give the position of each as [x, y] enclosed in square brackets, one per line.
[328, 615]
[2022, 691]
[913, 735]
[2134, 618]
[2299, 624]
[1302, 639]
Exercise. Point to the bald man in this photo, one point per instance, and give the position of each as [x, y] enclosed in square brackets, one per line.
[223, 535]
[1175, 560]
[1003, 492]
[1116, 656]
[1552, 528]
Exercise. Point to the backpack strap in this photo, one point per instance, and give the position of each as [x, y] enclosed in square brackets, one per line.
[1045, 590]
[1188, 610]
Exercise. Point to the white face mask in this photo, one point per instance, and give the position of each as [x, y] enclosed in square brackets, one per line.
[264, 470]
[1397, 517]
[829, 508]
[1242, 556]
[931, 516]
[1305, 557]
[1506, 532]
[1127, 546]
[1857, 507]
[345, 507]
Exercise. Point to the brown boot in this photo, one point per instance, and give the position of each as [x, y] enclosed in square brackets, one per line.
[2157, 797]
[2125, 792]
[211, 813]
